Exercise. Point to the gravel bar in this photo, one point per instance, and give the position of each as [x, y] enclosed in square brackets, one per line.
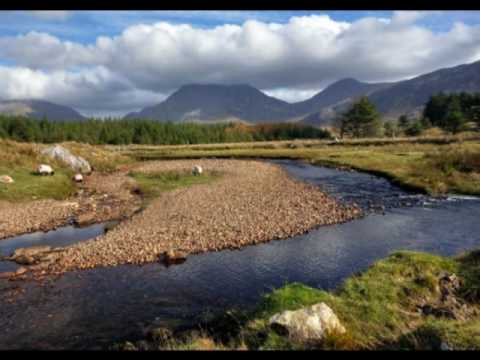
[251, 203]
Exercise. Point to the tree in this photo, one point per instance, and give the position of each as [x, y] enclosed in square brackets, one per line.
[454, 118]
[403, 122]
[391, 129]
[414, 129]
[361, 120]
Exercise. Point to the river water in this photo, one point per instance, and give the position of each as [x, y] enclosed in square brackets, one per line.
[90, 309]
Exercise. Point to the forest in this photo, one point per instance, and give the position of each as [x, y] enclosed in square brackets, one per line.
[119, 132]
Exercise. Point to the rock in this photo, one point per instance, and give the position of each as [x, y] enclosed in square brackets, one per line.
[128, 346]
[7, 275]
[24, 260]
[197, 170]
[32, 251]
[174, 257]
[307, 324]
[5, 179]
[45, 170]
[21, 270]
[78, 178]
[445, 347]
[59, 153]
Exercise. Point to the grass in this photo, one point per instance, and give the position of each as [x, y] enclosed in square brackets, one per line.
[431, 165]
[20, 160]
[28, 186]
[152, 184]
[377, 307]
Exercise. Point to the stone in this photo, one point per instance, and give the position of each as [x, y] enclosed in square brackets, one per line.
[44, 169]
[78, 178]
[32, 251]
[445, 347]
[7, 275]
[21, 270]
[24, 260]
[308, 324]
[174, 257]
[62, 154]
[197, 170]
[5, 179]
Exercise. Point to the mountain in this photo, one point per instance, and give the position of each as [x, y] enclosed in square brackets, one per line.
[408, 96]
[213, 102]
[411, 95]
[339, 92]
[38, 109]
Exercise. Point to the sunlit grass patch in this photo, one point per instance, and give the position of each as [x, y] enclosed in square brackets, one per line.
[152, 184]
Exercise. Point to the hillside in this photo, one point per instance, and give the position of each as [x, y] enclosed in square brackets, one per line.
[408, 96]
[38, 109]
[214, 102]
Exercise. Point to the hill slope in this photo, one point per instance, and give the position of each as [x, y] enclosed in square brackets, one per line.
[38, 109]
[214, 102]
[408, 96]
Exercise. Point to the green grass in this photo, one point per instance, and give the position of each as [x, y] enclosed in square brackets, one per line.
[152, 184]
[377, 307]
[29, 186]
[435, 167]
[20, 160]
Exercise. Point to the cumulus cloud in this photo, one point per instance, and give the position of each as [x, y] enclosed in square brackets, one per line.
[91, 91]
[291, 60]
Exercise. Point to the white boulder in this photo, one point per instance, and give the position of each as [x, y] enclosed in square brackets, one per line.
[45, 169]
[59, 153]
[78, 177]
[307, 324]
[197, 170]
[5, 179]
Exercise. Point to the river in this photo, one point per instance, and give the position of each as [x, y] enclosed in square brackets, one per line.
[91, 309]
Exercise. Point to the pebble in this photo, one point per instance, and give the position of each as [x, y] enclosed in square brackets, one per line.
[252, 202]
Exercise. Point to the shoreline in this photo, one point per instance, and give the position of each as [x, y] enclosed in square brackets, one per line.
[169, 223]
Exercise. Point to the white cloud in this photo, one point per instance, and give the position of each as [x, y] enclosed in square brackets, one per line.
[290, 60]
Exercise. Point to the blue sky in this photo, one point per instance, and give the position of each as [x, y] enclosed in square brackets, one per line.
[113, 62]
[86, 26]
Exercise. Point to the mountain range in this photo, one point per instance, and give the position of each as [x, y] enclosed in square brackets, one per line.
[243, 102]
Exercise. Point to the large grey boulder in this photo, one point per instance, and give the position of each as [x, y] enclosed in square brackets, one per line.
[308, 324]
[59, 153]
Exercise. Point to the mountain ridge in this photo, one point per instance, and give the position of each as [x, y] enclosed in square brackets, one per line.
[39, 109]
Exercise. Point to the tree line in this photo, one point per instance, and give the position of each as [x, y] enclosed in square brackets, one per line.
[452, 113]
[116, 132]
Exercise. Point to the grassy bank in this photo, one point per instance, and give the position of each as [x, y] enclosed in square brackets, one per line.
[152, 184]
[379, 308]
[20, 161]
[433, 165]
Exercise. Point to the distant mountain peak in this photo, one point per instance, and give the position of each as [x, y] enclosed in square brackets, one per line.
[38, 109]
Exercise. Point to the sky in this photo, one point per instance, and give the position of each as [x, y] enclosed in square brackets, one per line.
[109, 63]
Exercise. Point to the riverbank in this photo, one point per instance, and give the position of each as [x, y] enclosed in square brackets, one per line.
[101, 197]
[250, 203]
[435, 166]
[410, 301]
